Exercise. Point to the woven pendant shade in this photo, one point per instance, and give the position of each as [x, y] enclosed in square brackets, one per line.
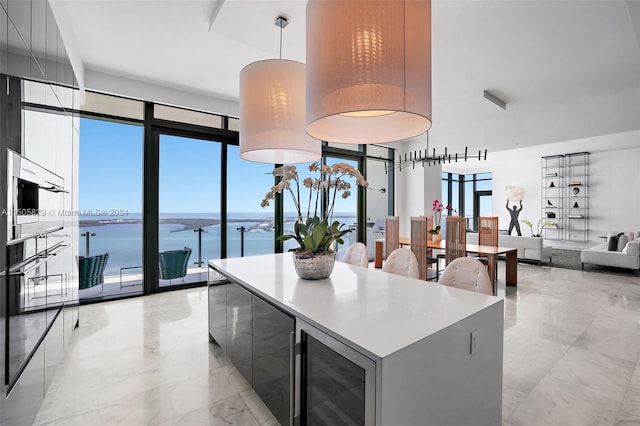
[368, 70]
[272, 119]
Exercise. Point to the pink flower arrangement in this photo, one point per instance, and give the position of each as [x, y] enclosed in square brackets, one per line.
[437, 206]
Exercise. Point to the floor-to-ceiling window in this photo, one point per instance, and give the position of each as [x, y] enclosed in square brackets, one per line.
[345, 210]
[196, 198]
[189, 208]
[250, 227]
[469, 196]
[110, 203]
[308, 207]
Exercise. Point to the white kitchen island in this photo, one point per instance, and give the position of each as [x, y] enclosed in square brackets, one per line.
[362, 347]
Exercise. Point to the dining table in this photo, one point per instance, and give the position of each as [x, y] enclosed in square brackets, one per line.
[490, 252]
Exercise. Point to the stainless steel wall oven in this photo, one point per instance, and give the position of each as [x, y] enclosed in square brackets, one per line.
[37, 278]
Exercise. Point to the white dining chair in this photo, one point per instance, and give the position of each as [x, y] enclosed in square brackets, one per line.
[468, 274]
[357, 254]
[402, 261]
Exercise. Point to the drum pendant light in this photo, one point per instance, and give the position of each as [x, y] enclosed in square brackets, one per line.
[272, 119]
[368, 70]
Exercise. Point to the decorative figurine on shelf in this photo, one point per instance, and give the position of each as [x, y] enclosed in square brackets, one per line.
[514, 212]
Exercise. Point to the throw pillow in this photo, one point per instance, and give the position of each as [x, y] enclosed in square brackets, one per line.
[624, 250]
[622, 242]
[613, 243]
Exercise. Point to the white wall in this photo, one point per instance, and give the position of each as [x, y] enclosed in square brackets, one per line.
[614, 180]
[415, 188]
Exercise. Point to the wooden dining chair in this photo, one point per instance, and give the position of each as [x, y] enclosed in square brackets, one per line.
[419, 237]
[488, 231]
[391, 234]
[488, 235]
[456, 240]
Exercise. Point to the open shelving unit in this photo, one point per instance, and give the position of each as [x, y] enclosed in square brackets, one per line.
[553, 195]
[565, 196]
[577, 171]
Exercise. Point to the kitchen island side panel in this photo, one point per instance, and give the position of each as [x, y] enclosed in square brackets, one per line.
[438, 381]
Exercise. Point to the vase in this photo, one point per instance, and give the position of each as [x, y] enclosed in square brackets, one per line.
[314, 266]
[436, 238]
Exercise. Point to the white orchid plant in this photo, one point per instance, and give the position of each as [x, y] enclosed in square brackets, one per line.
[315, 230]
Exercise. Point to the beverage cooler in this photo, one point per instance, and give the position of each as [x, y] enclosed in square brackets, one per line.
[336, 384]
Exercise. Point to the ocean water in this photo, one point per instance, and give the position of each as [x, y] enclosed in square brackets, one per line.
[121, 237]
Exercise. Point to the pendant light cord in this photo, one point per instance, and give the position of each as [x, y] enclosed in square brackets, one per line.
[281, 22]
[280, 40]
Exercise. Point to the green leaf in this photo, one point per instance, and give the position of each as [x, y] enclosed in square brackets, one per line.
[309, 244]
[319, 233]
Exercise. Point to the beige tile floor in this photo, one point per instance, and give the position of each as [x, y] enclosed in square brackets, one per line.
[571, 349]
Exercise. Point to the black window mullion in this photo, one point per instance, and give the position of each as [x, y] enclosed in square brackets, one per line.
[150, 203]
[223, 201]
[278, 217]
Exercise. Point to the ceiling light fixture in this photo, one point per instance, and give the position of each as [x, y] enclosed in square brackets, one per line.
[368, 70]
[410, 159]
[272, 105]
[502, 104]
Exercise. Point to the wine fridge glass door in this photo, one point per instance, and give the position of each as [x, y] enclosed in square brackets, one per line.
[337, 384]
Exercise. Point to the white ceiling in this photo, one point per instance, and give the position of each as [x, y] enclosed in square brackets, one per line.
[566, 69]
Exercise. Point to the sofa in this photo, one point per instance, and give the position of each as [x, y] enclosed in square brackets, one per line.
[626, 257]
[529, 248]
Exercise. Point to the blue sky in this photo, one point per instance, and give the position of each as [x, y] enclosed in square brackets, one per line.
[110, 166]
[111, 173]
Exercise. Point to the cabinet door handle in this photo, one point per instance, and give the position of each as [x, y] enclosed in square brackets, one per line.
[292, 376]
